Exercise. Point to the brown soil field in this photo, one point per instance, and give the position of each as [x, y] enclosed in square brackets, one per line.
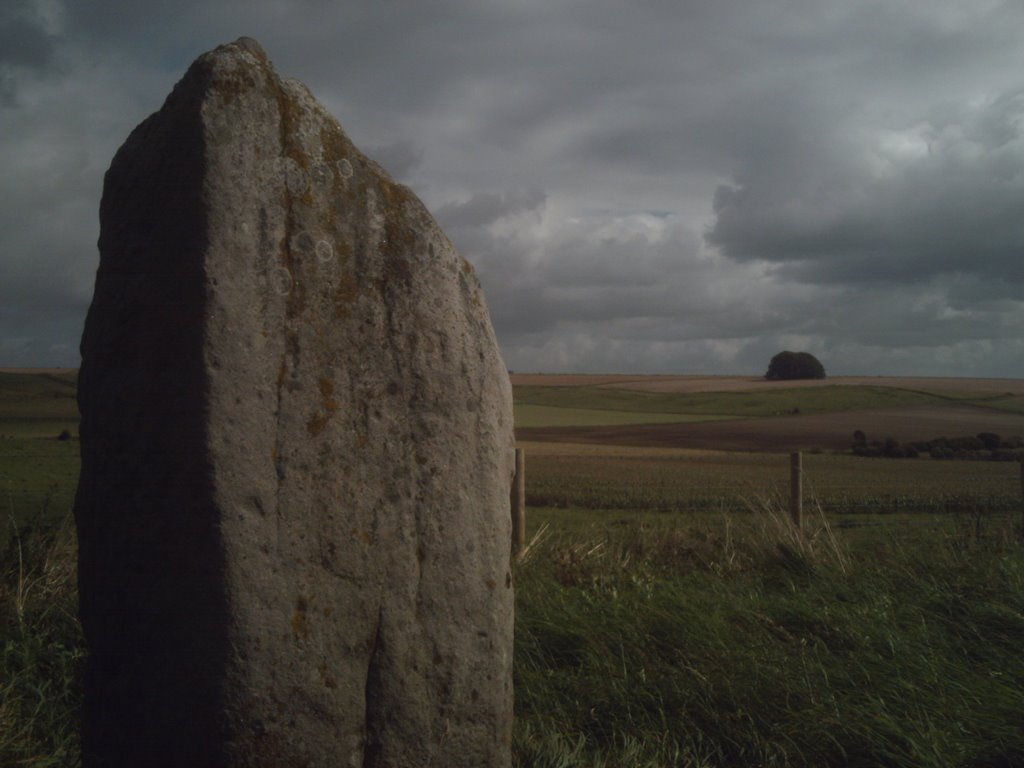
[828, 431]
[687, 384]
[592, 380]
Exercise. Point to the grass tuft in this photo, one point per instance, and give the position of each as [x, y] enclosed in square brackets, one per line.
[737, 640]
[42, 651]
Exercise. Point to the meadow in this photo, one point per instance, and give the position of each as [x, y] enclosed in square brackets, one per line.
[668, 613]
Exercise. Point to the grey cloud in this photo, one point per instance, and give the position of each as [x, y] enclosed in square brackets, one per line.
[947, 203]
[487, 207]
[399, 158]
[26, 47]
[8, 90]
[24, 41]
[868, 160]
[641, 274]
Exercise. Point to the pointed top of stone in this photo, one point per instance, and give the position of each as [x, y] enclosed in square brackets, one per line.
[250, 45]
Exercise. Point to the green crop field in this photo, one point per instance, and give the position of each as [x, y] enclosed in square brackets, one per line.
[38, 471]
[667, 611]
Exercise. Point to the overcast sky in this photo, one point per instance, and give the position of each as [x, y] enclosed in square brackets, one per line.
[674, 186]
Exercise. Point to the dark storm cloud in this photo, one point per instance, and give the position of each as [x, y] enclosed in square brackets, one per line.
[26, 46]
[940, 197]
[654, 185]
[24, 41]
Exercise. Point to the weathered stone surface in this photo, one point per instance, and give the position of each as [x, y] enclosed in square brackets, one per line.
[293, 512]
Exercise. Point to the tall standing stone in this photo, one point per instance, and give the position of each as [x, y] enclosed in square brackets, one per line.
[293, 513]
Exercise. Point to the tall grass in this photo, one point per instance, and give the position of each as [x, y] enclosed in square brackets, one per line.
[673, 640]
[42, 650]
[738, 641]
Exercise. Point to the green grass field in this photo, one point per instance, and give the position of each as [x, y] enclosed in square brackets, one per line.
[667, 614]
[38, 477]
[38, 472]
[733, 640]
[37, 405]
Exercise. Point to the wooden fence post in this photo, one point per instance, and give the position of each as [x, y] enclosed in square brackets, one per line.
[796, 494]
[519, 505]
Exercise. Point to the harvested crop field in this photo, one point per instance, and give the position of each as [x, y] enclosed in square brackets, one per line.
[687, 384]
[830, 431]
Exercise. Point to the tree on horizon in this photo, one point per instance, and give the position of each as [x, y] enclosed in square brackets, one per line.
[794, 365]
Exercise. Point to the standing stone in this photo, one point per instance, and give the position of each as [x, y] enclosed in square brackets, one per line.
[293, 512]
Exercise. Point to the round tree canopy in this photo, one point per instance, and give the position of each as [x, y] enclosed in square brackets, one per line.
[794, 365]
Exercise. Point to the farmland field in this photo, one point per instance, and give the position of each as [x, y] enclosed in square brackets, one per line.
[37, 404]
[531, 415]
[667, 612]
[675, 443]
[669, 615]
[38, 472]
[562, 475]
[782, 416]
[953, 386]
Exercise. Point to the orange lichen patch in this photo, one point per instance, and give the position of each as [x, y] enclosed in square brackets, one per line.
[396, 196]
[300, 628]
[291, 116]
[317, 423]
[326, 678]
[326, 387]
[330, 406]
[343, 251]
[339, 154]
[346, 293]
[397, 201]
[363, 536]
[336, 146]
[295, 303]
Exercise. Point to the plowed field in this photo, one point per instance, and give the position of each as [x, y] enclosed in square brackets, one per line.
[831, 431]
[687, 384]
[906, 409]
